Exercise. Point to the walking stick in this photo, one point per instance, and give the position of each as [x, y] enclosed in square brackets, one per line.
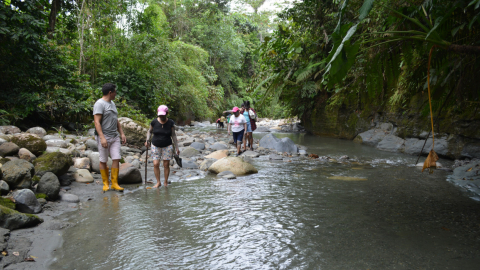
[146, 164]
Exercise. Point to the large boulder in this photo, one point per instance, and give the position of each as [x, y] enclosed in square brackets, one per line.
[207, 163]
[189, 152]
[83, 176]
[218, 154]
[95, 161]
[269, 141]
[413, 146]
[129, 174]
[37, 131]
[32, 142]
[56, 162]
[262, 129]
[233, 164]
[286, 145]
[18, 173]
[12, 220]
[26, 202]
[371, 137]
[134, 131]
[8, 149]
[391, 143]
[188, 164]
[49, 185]
[9, 130]
[24, 154]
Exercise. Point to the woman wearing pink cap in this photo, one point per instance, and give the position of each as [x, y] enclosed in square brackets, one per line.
[238, 124]
[163, 130]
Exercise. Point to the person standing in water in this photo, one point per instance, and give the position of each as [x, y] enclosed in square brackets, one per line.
[163, 130]
[238, 125]
[108, 133]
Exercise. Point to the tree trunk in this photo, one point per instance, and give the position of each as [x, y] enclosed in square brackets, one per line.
[464, 49]
[56, 5]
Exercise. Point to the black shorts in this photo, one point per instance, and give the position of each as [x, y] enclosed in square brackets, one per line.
[238, 136]
[220, 124]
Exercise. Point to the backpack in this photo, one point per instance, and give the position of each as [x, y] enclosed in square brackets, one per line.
[252, 114]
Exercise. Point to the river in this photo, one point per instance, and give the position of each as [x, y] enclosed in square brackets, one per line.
[373, 211]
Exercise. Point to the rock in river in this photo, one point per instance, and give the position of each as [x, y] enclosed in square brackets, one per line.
[12, 220]
[233, 164]
[18, 173]
[26, 202]
[56, 162]
[49, 185]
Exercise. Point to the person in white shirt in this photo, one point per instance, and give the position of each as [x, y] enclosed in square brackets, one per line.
[238, 125]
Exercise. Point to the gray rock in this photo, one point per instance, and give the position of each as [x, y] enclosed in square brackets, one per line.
[413, 146]
[129, 174]
[286, 145]
[187, 142]
[302, 152]
[2, 141]
[9, 130]
[56, 162]
[68, 197]
[4, 188]
[210, 140]
[8, 149]
[57, 143]
[189, 152]
[218, 146]
[441, 147]
[206, 164]
[83, 176]
[38, 131]
[198, 145]
[49, 185]
[250, 154]
[470, 150]
[18, 173]
[269, 141]
[135, 163]
[26, 202]
[12, 220]
[95, 161]
[92, 145]
[189, 164]
[371, 137]
[391, 143]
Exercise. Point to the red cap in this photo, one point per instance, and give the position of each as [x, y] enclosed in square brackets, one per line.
[235, 109]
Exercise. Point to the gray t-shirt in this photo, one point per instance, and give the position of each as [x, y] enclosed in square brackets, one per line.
[109, 117]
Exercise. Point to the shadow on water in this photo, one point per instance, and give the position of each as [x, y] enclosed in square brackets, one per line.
[300, 214]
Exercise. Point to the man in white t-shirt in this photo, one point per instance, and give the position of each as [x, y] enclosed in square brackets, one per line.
[238, 124]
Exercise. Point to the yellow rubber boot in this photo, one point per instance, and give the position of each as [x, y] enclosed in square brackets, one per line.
[115, 180]
[104, 174]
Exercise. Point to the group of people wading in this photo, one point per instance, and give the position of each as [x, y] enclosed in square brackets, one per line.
[109, 136]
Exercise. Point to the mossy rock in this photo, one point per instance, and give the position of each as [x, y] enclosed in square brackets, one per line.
[31, 142]
[12, 219]
[55, 162]
[41, 196]
[7, 203]
[4, 160]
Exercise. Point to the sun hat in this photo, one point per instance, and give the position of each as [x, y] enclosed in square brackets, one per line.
[162, 110]
[235, 109]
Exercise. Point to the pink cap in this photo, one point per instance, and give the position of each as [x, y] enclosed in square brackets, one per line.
[162, 110]
[235, 109]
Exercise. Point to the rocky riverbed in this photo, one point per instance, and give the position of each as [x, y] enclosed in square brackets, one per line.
[44, 176]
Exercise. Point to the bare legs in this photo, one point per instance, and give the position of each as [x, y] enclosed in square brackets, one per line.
[166, 171]
[247, 138]
[115, 164]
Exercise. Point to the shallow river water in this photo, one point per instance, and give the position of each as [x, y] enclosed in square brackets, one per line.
[291, 215]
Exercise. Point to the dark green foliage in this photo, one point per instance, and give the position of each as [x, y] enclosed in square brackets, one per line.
[41, 196]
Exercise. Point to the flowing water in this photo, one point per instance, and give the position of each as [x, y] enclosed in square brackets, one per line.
[373, 211]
